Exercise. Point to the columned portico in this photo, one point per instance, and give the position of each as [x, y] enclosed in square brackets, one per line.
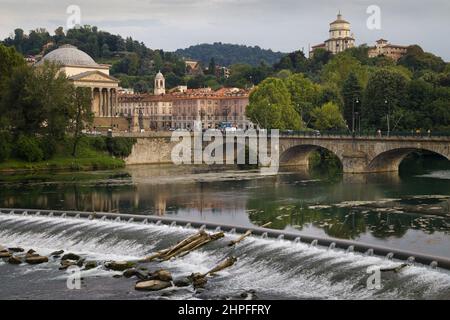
[84, 72]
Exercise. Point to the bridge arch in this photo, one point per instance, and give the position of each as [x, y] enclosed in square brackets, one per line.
[390, 160]
[299, 155]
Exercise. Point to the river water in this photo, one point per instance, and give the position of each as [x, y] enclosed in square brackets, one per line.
[410, 211]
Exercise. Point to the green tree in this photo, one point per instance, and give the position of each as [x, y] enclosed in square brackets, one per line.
[305, 95]
[295, 61]
[81, 114]
[386, 92]
[416, 60]
[339, 69]
[41, 99]
[352, 95]
[212, 67]
[9, 59]
[271, 106]
[328, 117]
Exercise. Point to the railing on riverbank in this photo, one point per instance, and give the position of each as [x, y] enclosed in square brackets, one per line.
[330, 243]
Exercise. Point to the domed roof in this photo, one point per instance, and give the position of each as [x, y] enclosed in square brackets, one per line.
[69, 55]
[159, 76]
[339, 20]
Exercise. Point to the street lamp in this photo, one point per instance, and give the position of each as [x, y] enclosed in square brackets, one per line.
[358, 117]
[353, 115]
[386, 102]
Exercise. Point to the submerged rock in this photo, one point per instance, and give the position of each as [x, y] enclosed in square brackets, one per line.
[31, 253]
[16, 250]
[182, 282]
[36, 260]
[152, 285]
[162, 275]
[120, 265]
[65, 264]
[14, 260]
[90, 265]
[198, 280]
[71, 256]
[129, 273]
[141, 275]
[5, 254]
[57, 253]
[249, 295]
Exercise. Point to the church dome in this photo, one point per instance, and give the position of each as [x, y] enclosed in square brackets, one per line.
[159, 76]
[68, 55]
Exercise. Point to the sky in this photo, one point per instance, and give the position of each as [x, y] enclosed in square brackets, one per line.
[281, 25]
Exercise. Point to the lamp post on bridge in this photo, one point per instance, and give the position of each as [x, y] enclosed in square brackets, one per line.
[386, 102]
[353, 116]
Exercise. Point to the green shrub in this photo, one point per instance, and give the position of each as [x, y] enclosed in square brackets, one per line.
[98, 143]
[120, 147]
[48, 147]
[5, 146]
[27, 148]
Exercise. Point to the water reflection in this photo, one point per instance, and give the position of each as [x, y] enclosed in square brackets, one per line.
[409, 210]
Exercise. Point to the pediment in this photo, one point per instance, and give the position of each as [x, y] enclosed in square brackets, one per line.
[93, 76]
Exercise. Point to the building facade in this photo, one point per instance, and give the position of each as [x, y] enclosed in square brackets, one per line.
[211, 108]
[183, 108]
[340, 37]
[83, 71]
[384, 48]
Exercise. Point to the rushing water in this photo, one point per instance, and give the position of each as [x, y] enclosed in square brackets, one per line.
[408, 211]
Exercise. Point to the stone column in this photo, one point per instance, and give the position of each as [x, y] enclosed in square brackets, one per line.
[108, 102]
[116, 100]
[112, 107]
[101, 111]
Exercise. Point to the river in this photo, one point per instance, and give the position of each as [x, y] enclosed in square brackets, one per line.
[409, 211]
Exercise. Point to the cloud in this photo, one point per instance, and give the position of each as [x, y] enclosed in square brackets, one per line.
[284, 25]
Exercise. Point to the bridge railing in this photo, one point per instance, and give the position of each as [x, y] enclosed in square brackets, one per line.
[313, 134]
[366, 134]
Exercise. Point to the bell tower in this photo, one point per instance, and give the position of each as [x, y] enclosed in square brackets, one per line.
[160, 84]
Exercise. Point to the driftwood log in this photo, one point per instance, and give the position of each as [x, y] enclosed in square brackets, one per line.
[185, 246]
[222, 266]
[199, 280]
[395, 269]
[246, 235]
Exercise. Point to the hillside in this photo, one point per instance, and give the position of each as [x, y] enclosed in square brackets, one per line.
[132, 61]
[229, 54]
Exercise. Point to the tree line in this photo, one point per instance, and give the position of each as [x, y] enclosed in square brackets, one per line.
[352, 92]
[227, 55]
[348, 91]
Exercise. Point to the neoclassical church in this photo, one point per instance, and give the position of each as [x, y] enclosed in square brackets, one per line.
[83, 71]
[340, 38]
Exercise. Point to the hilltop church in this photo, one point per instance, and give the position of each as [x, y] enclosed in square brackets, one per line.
[340, 37]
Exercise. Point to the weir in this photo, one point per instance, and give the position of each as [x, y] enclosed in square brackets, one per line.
[331, 243]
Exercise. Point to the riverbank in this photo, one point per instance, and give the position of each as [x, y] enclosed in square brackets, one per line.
[93, 153]
[63, 163]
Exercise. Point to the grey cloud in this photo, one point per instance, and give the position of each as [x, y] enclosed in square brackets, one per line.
[284, 25]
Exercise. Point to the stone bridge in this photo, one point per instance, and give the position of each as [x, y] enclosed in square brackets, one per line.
[357, 154]
[361, 154]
